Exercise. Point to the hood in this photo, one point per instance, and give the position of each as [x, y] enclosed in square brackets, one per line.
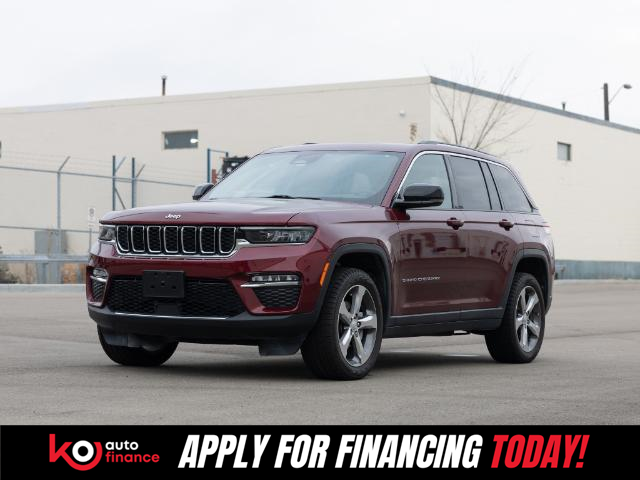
[237, 211]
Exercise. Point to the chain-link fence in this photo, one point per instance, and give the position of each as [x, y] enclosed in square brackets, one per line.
[51, 204]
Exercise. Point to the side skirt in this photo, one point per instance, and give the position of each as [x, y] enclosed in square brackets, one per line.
[443, 323]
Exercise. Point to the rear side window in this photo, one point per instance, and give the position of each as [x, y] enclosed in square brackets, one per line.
[431, 170]
[470, 186]
[513, 198]
[491, 185]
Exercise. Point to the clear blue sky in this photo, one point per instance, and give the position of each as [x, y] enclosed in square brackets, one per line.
[72, 51]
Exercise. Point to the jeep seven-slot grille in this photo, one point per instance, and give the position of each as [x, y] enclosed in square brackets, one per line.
[175, 240]
[202, 298]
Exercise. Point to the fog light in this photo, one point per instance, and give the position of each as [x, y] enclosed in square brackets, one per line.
[100, 273]
[275, 278]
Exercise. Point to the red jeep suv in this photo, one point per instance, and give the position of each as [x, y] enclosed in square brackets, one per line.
[328, 249]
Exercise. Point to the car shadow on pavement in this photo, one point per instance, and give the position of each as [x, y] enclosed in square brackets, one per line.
[293, 368]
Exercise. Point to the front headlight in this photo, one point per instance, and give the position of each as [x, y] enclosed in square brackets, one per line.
[277, 235]
[107, 233]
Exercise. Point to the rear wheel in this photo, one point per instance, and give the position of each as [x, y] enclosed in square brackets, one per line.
[345, 341]
[137, 356]
[519, 337]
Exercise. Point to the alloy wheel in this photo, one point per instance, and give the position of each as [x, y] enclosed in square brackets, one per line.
[528, 318]
[357, 325]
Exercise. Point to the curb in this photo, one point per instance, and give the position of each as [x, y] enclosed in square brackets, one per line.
[42, 288]
[569, 281]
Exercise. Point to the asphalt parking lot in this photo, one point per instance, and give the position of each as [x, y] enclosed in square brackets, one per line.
[53, 371]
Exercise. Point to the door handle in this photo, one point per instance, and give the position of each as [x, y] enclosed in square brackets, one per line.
[454, 223]
[506, 224]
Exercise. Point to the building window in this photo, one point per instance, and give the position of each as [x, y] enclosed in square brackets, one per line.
[182, 139]
[564, 151]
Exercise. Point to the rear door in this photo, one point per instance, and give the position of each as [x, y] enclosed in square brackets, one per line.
[491, 235]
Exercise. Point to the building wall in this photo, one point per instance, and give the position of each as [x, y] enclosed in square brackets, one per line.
[243, 123]
[590, 201]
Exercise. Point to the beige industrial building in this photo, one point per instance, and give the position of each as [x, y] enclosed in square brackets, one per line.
[581, 171]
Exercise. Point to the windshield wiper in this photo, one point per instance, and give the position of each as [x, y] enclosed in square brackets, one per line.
[289, 196]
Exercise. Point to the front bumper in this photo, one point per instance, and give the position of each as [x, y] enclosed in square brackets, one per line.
[245, 328]
[257, 324]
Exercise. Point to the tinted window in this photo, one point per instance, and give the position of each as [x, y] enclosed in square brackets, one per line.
[513, 198]
[564, 151]
[353, 176]
[186, 139]
[491, 185]
[430, 170]
[470, 187]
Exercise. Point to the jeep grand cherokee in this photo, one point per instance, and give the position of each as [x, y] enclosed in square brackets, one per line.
[328, 249]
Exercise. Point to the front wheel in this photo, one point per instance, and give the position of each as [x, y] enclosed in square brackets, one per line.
[345, 341]
[519, 337]
[137, 356]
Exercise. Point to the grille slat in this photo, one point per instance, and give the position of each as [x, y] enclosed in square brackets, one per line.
[189, 240]
[171, 240]
[208, 240]
[154, 242]
[174, 240]
[137, 239]
[227, 239]
[202, 298]
[122, 236]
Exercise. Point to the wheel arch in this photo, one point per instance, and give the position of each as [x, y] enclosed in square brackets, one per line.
[371, 258]
[535, 262]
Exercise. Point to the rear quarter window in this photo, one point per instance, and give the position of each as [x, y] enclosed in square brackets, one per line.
[511, 193]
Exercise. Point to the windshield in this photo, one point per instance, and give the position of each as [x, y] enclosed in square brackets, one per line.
[353, 176]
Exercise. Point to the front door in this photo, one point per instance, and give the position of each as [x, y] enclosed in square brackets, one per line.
[431, 247]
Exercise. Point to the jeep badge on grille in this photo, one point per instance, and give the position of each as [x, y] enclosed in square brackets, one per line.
[173, 216]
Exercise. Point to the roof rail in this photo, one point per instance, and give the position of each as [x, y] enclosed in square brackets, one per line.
[436, 142]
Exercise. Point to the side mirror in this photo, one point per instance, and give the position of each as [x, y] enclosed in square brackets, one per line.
[419, 196]
[201, 190]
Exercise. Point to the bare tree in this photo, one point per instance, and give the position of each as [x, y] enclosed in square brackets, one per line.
[477, 120]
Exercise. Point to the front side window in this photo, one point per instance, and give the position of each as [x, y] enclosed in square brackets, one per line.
[430, 170]
[184, 139]
[513, 198]
[352, 176]
[470, 185]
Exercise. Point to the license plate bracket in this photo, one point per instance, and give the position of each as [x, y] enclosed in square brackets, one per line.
[162, 284]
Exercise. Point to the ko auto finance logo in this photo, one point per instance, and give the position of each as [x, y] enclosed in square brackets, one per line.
[83, 455]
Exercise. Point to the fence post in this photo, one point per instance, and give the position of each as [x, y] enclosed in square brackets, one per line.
[133, 182]
[59, 204]
[208, 165]
[113, 182]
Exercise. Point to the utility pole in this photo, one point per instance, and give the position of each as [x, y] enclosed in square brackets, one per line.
[164, 85]
[605, 87]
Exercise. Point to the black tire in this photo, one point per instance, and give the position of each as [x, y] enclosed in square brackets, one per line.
[320, 350]
[137, 356]
[505, 343]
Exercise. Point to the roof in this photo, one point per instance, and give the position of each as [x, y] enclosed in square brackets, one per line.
[526, 103]
[275, 91]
